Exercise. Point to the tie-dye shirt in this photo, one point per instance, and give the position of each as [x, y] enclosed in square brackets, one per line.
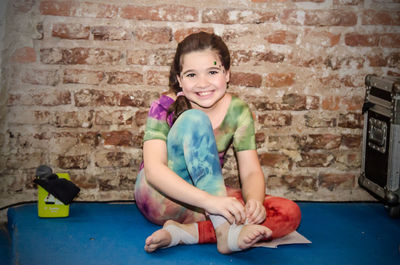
[237, 126]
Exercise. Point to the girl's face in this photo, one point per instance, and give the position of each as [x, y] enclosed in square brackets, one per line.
[203, 79]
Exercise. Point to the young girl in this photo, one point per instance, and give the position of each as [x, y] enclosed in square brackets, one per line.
[188, 131]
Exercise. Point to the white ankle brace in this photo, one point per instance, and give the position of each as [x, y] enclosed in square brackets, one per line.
[233, 235]
[179, 235]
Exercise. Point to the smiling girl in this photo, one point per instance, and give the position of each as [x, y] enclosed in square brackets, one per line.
[188, 131]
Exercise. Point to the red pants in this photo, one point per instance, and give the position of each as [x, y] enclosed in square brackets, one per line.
[283, 217]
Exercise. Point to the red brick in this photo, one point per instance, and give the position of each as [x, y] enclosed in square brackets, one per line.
[112, 159]
[292, 17]
[392, 73]
[300, 183]
[30, 160]
[157, 78]
[353, 103]
[154, 35]
[137, 99]
[118, 138]
[320, 120]
[381, 17]
[334, 17]
[321, 38]
[85, 181]
[294, 101]
[364, 40]
[351, 140]
[70, 31]
[390, 40]
[94, 98]
[51, 98]
[377, 60]
[260, 103]
[180, 34]
[240, 57]
[237, 16]
[336, 63]
[315, 160]
[114, 117]
[260, 139]
[320, 141]
[140, 117]
[331, 103]
[348, 160]
[334, 181]
[305, 60]
[275, 119]
[40, 77]
[111, 33]
[160, 13]
[24, 55]
[158, 57]
[79, 76]
[77, 9]
[73, 119]
[279, 79]
[347, 2]
[138, 57]
[129, 78]
[23, 6]
[351, 120]
[88, 56]
[275, 160]
[282, 37]
[394, 60]
[245, 79]
[73, 162]
[24, 117]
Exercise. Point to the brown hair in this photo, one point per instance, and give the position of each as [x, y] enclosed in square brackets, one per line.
[195, 42]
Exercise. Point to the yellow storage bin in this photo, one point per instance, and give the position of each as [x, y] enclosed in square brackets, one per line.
[48, 205]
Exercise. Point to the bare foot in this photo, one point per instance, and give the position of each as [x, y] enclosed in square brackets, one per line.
[162, 238]
[251, 234]
[248, 236]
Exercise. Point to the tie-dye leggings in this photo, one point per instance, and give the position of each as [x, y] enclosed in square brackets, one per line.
[193, 155]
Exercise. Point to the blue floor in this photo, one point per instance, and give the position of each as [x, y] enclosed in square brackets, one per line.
[5, 246]
[94, 233]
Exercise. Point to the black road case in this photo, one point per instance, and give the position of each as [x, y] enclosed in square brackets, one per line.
[380, 168]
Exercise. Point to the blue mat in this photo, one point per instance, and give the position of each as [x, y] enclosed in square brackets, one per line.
[5, 246]
[95, 233]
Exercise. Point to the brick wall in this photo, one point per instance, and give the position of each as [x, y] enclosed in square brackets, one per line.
[78, 78]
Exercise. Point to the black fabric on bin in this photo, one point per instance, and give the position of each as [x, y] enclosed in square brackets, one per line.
[61, 188]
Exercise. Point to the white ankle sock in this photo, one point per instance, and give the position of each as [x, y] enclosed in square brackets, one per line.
[217, 220]
[233, 235]
[179, 235]
[233, 232]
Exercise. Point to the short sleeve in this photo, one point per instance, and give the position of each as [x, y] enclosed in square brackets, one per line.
[157, 126]
[244, 136]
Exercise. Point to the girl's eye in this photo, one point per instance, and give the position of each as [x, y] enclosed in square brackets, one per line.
[190, 75]
[213, 72]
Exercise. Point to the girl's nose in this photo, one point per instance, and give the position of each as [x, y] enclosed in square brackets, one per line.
[203, 81]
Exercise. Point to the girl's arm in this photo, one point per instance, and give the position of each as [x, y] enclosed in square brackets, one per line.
[253, 185]
[168, 182]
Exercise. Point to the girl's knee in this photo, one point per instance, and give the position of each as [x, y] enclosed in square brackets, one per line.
[193, 117]
[285, 207]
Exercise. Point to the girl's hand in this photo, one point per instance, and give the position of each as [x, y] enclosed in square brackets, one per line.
[229, 207]
[255, 212]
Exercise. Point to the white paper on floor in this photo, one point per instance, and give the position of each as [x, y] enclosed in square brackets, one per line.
[292, 238]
